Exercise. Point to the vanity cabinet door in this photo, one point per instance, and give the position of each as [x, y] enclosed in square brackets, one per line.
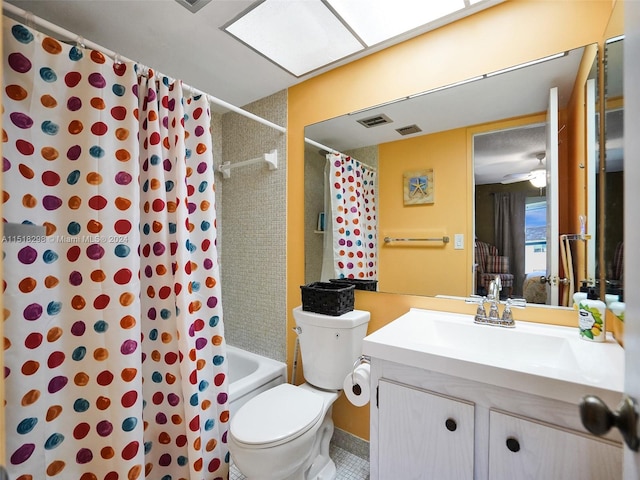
[423, 435]
[524, 449]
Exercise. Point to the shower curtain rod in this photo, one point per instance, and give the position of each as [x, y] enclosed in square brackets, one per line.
[332, 150]
[58, 30]
[321, 146]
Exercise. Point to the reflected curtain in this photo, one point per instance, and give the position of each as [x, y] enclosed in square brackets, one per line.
[353, 234]
[509, 230]
[114, 346]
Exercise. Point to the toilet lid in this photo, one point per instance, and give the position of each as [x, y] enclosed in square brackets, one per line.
[276, 416]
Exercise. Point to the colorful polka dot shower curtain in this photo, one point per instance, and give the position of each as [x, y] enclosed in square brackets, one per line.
[114, 342]
[352, 194]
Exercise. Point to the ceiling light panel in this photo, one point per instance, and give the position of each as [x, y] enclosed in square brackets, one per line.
[375, 21]
[299, 36]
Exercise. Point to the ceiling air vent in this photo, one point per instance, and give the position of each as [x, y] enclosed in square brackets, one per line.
[193, 5]
[408, 130]
[376, 121]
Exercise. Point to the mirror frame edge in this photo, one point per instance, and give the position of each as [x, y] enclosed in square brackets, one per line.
[614, 28]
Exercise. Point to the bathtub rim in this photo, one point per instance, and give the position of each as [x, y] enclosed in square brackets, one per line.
[268, 371]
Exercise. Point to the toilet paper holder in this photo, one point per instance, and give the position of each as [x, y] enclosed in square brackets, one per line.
[362, 359]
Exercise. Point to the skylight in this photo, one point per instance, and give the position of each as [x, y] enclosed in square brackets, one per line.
[301, 36]
[375, 21]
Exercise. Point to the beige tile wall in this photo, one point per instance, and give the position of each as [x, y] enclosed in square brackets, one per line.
[314, 164]
[252, 226]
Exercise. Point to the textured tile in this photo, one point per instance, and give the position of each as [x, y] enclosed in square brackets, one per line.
[349, 466]
[349, 442]
[252, 225]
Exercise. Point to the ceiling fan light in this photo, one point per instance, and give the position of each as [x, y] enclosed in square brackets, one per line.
[539, 179]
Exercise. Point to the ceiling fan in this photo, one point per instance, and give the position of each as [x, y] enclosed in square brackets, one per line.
[537, 176]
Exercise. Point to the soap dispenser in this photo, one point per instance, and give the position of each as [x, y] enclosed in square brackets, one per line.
[581, 295]
[591, 318]
[618, 307]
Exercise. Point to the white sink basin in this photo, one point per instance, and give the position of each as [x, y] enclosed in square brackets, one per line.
[532, 357]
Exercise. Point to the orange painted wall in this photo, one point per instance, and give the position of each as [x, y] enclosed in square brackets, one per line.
[615, 26]
[424, 268]
[496, 38]
[577, 162]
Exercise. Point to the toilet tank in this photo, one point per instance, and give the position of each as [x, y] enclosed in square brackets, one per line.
[330, 345]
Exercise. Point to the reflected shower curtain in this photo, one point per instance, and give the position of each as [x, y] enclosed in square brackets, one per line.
[114, 348]
[353, 218]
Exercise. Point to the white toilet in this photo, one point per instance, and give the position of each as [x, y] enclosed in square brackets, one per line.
[284, 433]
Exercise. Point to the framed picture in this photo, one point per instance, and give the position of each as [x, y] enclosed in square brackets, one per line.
[418, 187]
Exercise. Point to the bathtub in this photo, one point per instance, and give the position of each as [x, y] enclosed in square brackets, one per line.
[251, 374]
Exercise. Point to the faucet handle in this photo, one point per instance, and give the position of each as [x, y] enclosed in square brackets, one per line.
[507, 315]
[516, 302]
[481, 314]
[475, 299]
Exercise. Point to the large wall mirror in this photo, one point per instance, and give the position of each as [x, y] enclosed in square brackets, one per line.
[481, 139]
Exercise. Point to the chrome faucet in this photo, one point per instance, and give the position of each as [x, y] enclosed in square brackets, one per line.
[493, 316]
[495, 287]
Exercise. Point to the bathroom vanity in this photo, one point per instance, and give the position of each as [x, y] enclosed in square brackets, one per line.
[456, 400]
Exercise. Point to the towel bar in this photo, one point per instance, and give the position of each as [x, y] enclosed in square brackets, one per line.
[443, 239]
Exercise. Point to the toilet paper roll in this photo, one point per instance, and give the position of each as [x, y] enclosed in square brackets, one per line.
[357, 387]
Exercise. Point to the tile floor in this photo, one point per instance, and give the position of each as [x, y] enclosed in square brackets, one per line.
[349, 466]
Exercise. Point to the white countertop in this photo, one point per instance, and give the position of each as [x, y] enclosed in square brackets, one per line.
[547, 360]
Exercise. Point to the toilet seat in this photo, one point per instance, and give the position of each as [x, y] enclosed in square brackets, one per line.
[276, 416]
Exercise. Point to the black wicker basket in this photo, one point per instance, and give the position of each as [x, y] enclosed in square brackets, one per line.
[327, 298]
[368, 285]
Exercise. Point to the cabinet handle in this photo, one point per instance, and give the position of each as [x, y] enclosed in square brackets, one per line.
[451, 424]
[513, 444]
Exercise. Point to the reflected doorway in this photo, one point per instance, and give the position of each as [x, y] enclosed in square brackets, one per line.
[510, 211]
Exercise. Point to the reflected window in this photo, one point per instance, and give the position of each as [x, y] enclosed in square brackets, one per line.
[535, 224]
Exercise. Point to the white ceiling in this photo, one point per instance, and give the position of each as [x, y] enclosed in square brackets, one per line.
[164, 35]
